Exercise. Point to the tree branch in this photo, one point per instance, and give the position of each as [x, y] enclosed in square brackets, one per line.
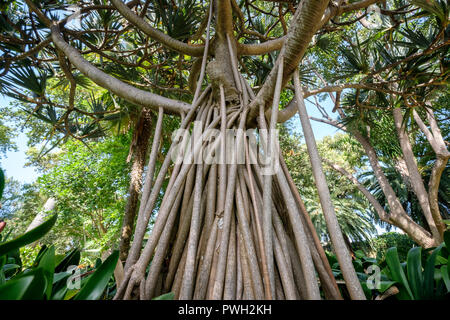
[261, 48]
[436, 132]
[433, 189]
[425, 130]
[273, 45]
[224, 17]
[398, 215]
[126, 91]
[436, 141]
[306, 21]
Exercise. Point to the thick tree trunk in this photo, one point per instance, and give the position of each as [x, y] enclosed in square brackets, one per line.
[415, 178]
[138, 151]
[306, 21]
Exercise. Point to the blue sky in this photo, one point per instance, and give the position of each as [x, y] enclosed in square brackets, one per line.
[13, 163]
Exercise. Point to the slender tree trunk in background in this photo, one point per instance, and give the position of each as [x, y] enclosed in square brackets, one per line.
[49, 205]
[253, 243]
[434, 137]
[397, 215]
[40, 217]
[138, 152]
[433, 189]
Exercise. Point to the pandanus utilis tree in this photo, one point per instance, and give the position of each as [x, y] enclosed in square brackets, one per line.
[231, 223]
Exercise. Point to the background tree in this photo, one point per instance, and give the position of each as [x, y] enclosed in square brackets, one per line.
[355, 215]
[89, 187]
[404, 79]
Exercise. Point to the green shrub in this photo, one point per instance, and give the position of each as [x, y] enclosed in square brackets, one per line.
[422, 274]
[392, 239]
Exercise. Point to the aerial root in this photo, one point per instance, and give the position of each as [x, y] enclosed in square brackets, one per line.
[221, 232]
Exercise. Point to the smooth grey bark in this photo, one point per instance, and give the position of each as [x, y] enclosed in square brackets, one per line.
[305, 23]
[146, 208]
[342, 254]
[301, 241]
[433, 190]
[415, 177]
[328, 282]
[397, 215]
[188, 281]
[436, 141]
[272, 154]
[228, 213]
